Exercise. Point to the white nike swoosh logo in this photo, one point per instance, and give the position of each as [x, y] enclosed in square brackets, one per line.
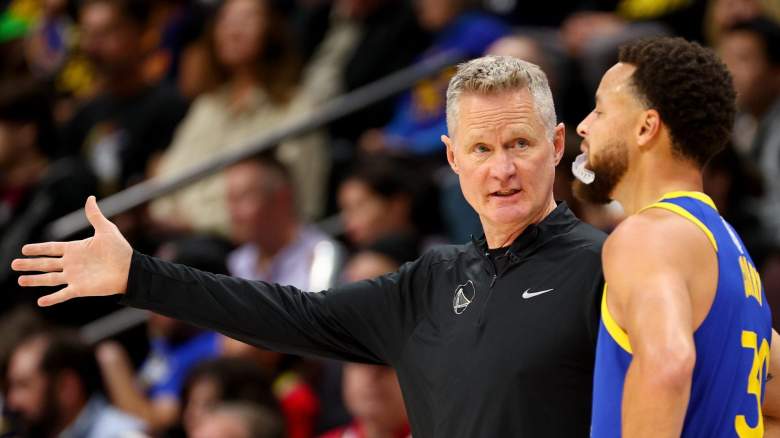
[528, 295]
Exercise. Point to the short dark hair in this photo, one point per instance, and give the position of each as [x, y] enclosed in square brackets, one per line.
[237, 380]
[135, 11]
[267, 160]
[386, 176]
[64, 351]
[25, 101]
[767, 31]
[691, 89]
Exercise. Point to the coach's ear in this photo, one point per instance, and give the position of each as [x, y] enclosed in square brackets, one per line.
[450, 153]
[649, 128]
[559, 142]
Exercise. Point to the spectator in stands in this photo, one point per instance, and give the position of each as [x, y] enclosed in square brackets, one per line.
[376, 199]
[752, 52]
[54, 386]
[275, 244]
[593, 33]
[260, 72]
[374, 399]
[130, 121]
[224, 380]
[239, 420]
[35, 188]
[372, 393]
[175, 348]
[419, 118]
[358, 42]
[296, 398]
[722, 15]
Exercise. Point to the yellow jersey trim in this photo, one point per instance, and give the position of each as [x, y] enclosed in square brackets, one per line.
[618, 334]
[674, 208]
[695, 195]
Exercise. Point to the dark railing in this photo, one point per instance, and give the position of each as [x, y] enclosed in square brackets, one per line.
[339, 107]
[144, 192]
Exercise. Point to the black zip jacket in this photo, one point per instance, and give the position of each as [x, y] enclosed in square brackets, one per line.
[479, 352]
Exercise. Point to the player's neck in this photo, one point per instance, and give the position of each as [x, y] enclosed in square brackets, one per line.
[649, 183]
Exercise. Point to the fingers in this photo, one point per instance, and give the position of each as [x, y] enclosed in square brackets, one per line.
[57, 297]
[49, 279]
[95, 216]
[46, 249]
[44, 264]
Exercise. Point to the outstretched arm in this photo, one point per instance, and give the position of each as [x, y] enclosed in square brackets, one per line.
[367, 321]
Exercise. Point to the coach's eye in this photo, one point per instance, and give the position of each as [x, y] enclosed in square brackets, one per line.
[481, 148]
[520, 143]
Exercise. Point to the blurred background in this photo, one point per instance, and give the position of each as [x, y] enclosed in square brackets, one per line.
[101, 96]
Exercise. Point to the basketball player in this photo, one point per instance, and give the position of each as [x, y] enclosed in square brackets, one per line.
[683, 346]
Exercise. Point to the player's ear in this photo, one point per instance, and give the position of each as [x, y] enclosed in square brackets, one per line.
[450, 153]
[648, 128]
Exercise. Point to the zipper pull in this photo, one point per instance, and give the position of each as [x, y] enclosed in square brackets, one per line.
[493, 281]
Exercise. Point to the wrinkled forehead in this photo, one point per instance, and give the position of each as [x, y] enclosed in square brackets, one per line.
[509, 110]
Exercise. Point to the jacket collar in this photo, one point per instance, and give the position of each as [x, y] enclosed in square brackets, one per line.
[559, 221]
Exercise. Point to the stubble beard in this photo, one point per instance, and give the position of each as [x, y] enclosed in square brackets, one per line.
[612, 165]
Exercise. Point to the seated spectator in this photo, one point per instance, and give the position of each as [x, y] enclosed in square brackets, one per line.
[224, 380]
[722, 15]
[295, 396]
[593, 33]
[260, 74]
[54, 387]
[358, 42]
[372, 393]
[35, 188]
[130, 121]
[419, 119]
[175, 348]
[373, 397]
[239, 420]
[376, 199]
[751, 50]
[275, 244]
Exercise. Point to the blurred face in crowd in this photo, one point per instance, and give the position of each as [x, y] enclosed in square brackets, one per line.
[241, 26]
[29, 394]
[220, 425]
[265, 359]
[605, 133]
[203, 397]
[504, 158]
[257, 202]
[367, 215]
[726, 13]
[112, 42]
[14, 140]
[372, 394]
[755, 80]
[434, 15]
[368, 264]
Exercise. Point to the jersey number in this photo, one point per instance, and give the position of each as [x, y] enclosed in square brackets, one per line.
[755, 378]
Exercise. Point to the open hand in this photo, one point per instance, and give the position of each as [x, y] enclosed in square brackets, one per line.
[95, 266]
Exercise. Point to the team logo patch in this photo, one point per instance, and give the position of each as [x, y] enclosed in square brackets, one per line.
[464, 295]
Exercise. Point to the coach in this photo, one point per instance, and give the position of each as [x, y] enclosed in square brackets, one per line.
[494, 338]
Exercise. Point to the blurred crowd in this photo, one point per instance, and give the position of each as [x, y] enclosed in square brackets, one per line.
[99, 95]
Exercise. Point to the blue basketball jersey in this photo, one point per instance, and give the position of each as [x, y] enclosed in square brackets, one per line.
[732, 343]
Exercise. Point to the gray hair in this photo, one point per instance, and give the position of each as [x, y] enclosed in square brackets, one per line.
[493, 74]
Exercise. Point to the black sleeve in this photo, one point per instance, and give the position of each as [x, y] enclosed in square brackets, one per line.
[368, 321]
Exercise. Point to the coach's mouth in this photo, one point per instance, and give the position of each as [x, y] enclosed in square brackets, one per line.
[508, 193]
